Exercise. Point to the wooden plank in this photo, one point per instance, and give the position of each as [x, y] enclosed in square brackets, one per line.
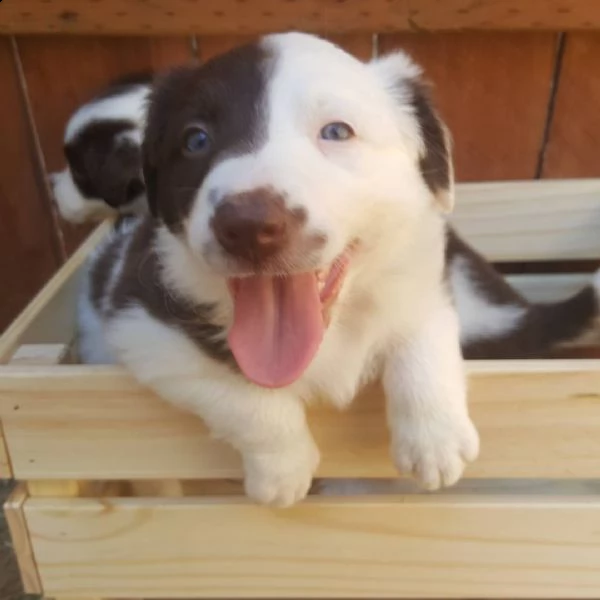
[40, 354]
[235, 17]
[407, 547]
[572, 149]
[5, 466]
[50, 316]
[536, 419]
[480, 81]
[28, 251]
[17, 525]
[549, 288]
[528, 221]
[84, 66]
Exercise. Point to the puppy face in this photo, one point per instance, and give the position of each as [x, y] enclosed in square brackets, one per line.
[103, 152]
[276, 163]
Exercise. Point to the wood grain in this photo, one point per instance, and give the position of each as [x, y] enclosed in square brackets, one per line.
[5, 466]
[152, 17]
[62, 73]
[407, 547]
[527, 221]
[28, 247]
[40, 354]
[493, 91]
[15, 517]
[572, 149]
[536, 419]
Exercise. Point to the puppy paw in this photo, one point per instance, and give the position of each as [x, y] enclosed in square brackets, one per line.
[435, 450]
[281, 478]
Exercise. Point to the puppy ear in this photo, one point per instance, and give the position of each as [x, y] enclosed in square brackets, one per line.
[162, 105]
[403, 79]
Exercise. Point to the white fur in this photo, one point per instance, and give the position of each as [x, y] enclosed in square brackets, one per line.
[392, 316]
[129, 106]
[72, 206]
[479, 318]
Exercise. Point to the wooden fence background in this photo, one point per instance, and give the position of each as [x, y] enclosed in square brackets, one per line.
[521, 105]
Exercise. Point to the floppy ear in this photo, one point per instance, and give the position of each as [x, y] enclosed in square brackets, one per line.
[403, 79]
[160, 106]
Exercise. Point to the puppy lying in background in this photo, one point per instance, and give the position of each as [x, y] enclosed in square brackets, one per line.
[102, 146]
[103, 150]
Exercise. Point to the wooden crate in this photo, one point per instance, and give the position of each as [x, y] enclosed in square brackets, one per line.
[122, 496]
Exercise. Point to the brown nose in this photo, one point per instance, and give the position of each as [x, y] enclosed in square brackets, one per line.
[252, 226]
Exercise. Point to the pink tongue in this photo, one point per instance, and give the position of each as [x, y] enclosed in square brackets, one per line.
[277, 327]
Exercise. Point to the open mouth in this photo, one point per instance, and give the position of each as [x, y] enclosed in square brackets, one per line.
[279, 320]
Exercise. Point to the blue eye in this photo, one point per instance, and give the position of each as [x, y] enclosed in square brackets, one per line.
[337, 132]
[195, 140]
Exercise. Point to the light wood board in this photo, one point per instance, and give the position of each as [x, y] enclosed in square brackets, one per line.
[536, 419]
[409, 547]
[21, 542]
[529, 221]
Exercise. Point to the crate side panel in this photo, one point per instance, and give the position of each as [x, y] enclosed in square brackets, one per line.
[537, 419]
[411, 547]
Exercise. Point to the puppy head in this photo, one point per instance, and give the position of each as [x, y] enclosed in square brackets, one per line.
[103, 152]
[276, 164]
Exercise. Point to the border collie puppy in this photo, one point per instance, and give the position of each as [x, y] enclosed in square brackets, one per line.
[297, 248]
[102, 146]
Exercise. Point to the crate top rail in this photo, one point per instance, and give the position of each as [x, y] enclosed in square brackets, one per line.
[249, 17]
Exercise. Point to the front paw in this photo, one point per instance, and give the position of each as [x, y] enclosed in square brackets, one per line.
[281, 478]
[435, 450]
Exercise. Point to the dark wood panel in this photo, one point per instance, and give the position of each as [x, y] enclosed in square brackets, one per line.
[574, 140]
[63, 72]
[493, 91]
[153, 17]
[28, 247]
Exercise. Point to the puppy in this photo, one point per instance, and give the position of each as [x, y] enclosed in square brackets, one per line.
[297, 248]
[102, 146]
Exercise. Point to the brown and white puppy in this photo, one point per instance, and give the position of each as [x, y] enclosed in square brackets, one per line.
[102, 146]
[297, 248]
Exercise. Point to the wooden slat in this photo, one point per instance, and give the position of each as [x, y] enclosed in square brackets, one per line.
[84, 66]
[410, 547]
[536, 420]
[40, 354]
[5, 466]
[28, 246]
[480, 82]
[50, 316]
[549, 288]
[235, 17]
[573, 142]
[15, 518]
[527, 221]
